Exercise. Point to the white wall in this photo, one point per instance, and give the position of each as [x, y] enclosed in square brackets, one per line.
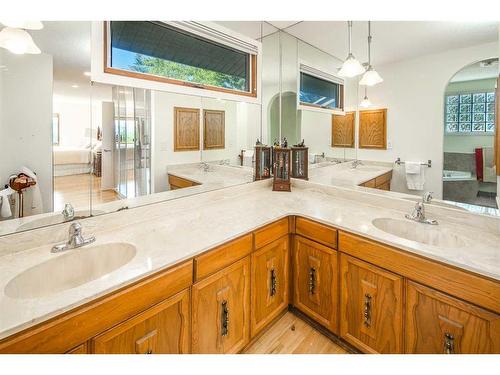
[26, 119]
[413, 93]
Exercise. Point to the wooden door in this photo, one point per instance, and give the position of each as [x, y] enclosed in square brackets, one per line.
[316, 281]
[221, 310]
[371, 307]
[186, 129]
[213, 129]
[162, 329]
[373, 129]
[269, 283]
[343, 130]
[438, 323]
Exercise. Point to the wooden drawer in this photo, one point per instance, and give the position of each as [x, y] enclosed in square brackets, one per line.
[179, 183]
[462, 284]
[271, 232]
[222, 256]
[316, 232]
[369, 183]
[80, 349]
[71, 329]
[380, 180]
[439, 324]
[162, 329]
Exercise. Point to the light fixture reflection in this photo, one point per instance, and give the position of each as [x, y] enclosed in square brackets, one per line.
[18, 41]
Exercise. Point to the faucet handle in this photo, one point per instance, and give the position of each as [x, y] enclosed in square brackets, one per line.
[427, 197]
[75, 229]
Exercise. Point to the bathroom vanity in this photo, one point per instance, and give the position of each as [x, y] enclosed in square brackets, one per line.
[345, 259]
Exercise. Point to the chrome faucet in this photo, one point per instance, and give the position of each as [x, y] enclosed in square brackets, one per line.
[205, 167]
[68, 212]
[75, 239]
[418, 213]
[355, 163]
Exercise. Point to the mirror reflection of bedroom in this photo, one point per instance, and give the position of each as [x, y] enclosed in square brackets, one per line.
[469, 175]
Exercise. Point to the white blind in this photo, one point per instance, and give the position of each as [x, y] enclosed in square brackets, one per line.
[217, 36]
[320, 74]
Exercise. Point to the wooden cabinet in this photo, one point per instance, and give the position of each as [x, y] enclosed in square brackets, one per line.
[221, 310]
[371, 307]
[213, 129]
[373, 129]
[186, 129]
[162, 329]
[316, 281]
[269, 280]
[438, 323]
[179, 182]
[80, 349]
[343, 130]
[382, 182]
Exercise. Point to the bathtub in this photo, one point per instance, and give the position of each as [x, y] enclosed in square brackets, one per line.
[457, 176]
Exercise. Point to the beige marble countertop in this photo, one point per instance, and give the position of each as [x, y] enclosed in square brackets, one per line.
[342, 174]
[169, 232]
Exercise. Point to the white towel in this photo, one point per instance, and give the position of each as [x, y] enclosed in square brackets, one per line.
[36, 194]
[5, 210]
[415, 176]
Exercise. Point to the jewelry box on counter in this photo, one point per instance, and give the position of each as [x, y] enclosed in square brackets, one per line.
[300, 162]
[281, 169]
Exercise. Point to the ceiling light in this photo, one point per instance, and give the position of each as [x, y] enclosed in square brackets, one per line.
[17, 41]
[75, 86]
[366, 102]
[87, 74]
[371, 77]
[351, 67]
[27, 25]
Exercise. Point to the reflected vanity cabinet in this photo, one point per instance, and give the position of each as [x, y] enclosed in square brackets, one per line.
[300, 163]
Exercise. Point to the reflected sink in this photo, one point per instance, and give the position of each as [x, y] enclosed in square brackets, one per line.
[76, 267]
[54, 219]
[418, 232]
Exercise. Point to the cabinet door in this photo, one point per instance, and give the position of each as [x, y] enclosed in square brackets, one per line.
[371, 307]
[221, 310]
[269, 282]
[316, 281]
[438, 323]
[164, 328]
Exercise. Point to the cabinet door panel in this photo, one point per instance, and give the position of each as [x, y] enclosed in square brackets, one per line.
[164, 329]
[269, 283]
[437, 323]
[221, 310]
[316, 281]
[371, 307]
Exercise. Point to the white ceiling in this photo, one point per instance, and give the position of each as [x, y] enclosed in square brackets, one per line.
[392, 40]
[477, 71]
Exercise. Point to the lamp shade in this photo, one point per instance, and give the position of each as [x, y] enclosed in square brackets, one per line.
[27, 25]
[18, 41]
[351, 67]
[365, 103]
[370, 78]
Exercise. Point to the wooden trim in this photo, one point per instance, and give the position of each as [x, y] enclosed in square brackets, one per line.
[196, 143]
[270, 232]
[476, 289]
[149, 77]
[317, 232]
[70, 329]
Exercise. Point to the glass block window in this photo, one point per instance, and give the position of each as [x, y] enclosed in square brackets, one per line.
[470, 112]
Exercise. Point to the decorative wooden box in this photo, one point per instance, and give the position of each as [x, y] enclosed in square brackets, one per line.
[281, 169]
[300, 163]
[263, 162]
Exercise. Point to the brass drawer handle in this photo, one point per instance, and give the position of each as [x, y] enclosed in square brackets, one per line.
[225, 319]
[449, 343]
[274, 283]
[312, 280]
[367, 310]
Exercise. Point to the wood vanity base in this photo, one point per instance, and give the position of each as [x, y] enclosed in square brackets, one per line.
[361, 293]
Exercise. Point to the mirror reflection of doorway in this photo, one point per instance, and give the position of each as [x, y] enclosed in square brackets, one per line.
[469, 170]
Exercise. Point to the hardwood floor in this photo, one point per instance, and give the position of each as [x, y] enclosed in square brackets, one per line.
[291, 335]
[74, 189]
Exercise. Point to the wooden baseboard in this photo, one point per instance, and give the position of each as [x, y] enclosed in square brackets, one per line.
[337, 340]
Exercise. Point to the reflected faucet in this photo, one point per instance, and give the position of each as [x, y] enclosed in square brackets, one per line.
[68, 212]
[205, 167]
[75, 239]
[418, 213]
[355, 163]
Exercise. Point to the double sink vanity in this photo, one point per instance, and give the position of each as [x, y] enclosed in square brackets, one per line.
[167, 278]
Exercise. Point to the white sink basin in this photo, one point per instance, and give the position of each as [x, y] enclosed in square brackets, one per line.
[418, 232]
[53, 219]
[74, 268]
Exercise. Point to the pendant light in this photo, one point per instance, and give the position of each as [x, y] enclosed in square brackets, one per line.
[366, 102]
[351, 67]
[371, 77]
[18, 41]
